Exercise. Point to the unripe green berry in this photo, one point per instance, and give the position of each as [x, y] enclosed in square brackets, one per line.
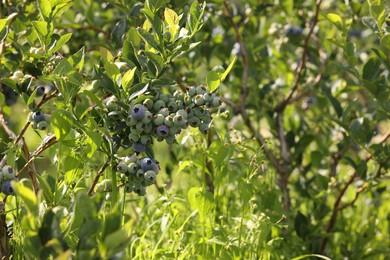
[43, 125]
[199, 100]
[158, 105]
[147, 118]
[146, 139]
[8, 172]
[130, 159]
[132, 168]
[133, 137]
[122, 167]
[168, 121]
[182, 113]
[128, 187]
[139, 189]
[172, 106]
[191, 91]
[203, 128]
[150, 177]
[179, 95]
[216, 102]
[199, 112]
[200, 90]
[165, 112]
[140, 173]
[170, 139]
[194, 121]
[148, 103]
[208, 97]
[18, 74]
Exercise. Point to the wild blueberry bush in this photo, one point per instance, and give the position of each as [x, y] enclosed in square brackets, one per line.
[186, 129]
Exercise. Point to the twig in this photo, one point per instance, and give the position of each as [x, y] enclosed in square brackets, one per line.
[98, 174]
[302, 64]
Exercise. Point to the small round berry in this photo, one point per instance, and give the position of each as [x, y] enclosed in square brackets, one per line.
[216, 102]
[162, 130]
[132, 168]
[172, 106]
[43, 125]
[7, 188]
[38, 116]
[199, 112]
[203, 128]
[147, 118]
[8, 172]
[158, 119]
[150, 177]
[194, 121]
[18, 74]
[182, 113]
[122, 167]
[200, 90]
[148, 103]
[147, 164]
[133, 137]
[130, 159]
[138, 112]
[140, 190]
[40, 90]
[146, 139]
[170, 139]
[128, 188]
[191, 91]
[163, 97]
[179, 95]
[208, 97]
[199, 100]
[158, 105]
[40, 51]
[138, 147]
[178, 120]
[168, 121]
[140, 173]
[47, 118]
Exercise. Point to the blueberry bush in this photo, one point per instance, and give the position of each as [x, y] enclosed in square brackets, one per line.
[166, 129]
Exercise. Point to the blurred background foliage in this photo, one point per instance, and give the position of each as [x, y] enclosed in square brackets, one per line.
[296, 164]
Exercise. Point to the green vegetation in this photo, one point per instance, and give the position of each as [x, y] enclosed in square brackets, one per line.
[195, 130]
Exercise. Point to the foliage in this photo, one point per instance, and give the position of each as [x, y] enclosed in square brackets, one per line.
[103, 98]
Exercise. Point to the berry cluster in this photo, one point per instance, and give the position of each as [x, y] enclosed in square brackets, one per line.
[39, 120]
[159, 116]
[7, 175]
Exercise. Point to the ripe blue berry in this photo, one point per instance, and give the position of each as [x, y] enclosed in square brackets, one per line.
[138, 147]
[38, 116]
[162, 130]
[7, 188]
[138, 112]
[40, 90]
[147, 164]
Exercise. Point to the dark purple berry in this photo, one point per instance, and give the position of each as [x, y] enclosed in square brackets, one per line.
[162, 130]
[7, 189]
[147, 164]
[138, 147]
[40, 90]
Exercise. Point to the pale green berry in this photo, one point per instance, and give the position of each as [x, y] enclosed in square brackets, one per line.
[148, 103]
[122, 167]
[170, 139]
[182, 113]
[163, 97]
[130, 159]
[133, 137]
[203, 128]
[168, 121]
[199, 100]
[200, 90]
[146, 139]
[191, 91]
[216, 102]
[8, 172]
[147, 118]
[158, 105]
[194, 121]
[150, 177]
[43, 125]
[133, 168]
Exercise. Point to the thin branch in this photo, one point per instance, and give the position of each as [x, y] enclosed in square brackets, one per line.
[98, 174]
[336, 205]
[302, 64]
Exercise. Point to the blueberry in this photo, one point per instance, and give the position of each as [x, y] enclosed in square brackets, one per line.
[191, 91]
[43, 125]
[146, 139]
[147, 164]
[40, 90]
[138, 112]
[8, 172]
[199, 100]
[159, 104]
[138, 147]
[150, 177]
[122, 167]
[194, 121]
[7, 189]
[133, 137]
[140, 190]
[162, 130]
[38, 116]
[203, 128]
[132, 168]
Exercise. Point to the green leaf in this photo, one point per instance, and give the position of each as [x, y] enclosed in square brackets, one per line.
[93, 143]
[385, 42]
[27, 196]
[201, 200]
[61, 121]
[378, 12]
[371, 69]
[335, 103]
[149, 39]
[157, 61]
[310, 256]
[2, 99]
[3, 22]
[195, 15]
[213, 81]
[128, 79]
[138, 90]
[106, 54]
[336, 20]
[118, 32]
[60, 42]
[112, 70]
[155, 5]
[370, 23]
[77, 59]
[229, 68]
[45, 9]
